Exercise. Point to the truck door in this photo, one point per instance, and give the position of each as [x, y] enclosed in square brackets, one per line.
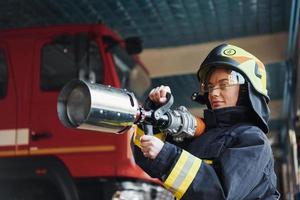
[58, 62]
[8, 116]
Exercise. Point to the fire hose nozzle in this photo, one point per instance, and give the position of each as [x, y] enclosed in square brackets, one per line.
[103, 108]
[96, 107]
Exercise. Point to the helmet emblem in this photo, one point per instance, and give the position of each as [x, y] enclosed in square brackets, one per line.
[229, 52]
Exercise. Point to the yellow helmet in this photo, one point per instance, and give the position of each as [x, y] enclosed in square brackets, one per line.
[237, 59]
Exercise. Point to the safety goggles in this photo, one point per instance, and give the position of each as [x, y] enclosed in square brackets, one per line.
[234, 78]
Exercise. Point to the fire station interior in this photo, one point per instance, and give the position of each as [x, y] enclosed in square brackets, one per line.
[176, 36]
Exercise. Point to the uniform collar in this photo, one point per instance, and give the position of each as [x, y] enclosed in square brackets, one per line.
[225, 117]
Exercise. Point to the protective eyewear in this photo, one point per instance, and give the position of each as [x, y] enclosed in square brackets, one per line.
[234, 78]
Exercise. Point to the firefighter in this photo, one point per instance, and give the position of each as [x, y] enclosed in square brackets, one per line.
[232, 159]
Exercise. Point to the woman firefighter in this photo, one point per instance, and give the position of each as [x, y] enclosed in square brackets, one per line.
[232, 159]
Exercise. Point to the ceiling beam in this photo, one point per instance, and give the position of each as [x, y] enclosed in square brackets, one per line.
[186, 59]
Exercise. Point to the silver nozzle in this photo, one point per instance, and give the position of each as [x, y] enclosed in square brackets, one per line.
[97, 107]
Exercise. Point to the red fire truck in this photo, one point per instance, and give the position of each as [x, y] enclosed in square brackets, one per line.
[39, 157]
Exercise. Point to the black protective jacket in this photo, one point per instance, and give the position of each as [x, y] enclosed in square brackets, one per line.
[232, 160]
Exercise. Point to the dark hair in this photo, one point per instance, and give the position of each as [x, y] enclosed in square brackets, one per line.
[214, 69]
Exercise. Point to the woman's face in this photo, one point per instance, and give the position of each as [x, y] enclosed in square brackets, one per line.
[220, 93]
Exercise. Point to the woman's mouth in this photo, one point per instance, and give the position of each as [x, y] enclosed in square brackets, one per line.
[216, 104]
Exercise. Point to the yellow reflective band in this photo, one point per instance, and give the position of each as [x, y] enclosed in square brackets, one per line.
[188, 179]
[182, 174]
[175, 171]
[138, 133]
[209, 162]
[160, 136]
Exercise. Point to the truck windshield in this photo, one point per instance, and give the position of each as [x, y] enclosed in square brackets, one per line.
[67, 58]
[3, 74]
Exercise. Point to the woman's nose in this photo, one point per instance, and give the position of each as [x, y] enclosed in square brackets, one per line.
[215, 92]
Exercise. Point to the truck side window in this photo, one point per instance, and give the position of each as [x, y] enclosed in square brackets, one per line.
[70, 57]
[131, 74]
[124, 64]
[3, 75]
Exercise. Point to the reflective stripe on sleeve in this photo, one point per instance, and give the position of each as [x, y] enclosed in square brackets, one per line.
[182, 174]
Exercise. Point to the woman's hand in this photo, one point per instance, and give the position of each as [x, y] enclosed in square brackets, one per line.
[159, 94]
[151, 146]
